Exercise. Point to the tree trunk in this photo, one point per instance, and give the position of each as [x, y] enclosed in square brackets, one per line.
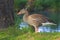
[6, 13]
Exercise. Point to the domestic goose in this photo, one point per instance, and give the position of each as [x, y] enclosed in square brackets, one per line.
[35, 20]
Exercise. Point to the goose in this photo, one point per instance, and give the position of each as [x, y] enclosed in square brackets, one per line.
[35, 20]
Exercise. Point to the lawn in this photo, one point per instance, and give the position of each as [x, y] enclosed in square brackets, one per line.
[13, 33]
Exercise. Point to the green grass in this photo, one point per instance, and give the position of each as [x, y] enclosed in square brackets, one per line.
[13, 33]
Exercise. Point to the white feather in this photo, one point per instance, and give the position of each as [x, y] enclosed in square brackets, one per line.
[48, 23]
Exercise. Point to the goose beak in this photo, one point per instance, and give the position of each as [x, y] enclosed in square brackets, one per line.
[48, 23]
[19, 13]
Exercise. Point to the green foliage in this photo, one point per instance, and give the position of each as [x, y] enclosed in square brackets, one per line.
[38, 3]
[18, 3]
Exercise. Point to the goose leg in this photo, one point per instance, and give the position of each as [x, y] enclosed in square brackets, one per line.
[36, 29]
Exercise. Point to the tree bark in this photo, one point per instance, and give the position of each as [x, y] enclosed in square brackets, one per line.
[6, 13]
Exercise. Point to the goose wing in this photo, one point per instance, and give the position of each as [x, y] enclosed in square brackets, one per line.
[39, 18]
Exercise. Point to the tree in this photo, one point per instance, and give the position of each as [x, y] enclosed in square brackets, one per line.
[30, 5]
[6, 13]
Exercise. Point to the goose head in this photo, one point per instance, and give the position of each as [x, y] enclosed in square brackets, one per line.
[23, 11]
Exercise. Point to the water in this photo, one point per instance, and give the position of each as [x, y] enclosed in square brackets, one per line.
[43, 28]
